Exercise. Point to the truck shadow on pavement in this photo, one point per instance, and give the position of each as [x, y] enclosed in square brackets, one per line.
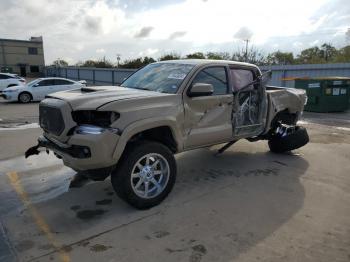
[220, 207]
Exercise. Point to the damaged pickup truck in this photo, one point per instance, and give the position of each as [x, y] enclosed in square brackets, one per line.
[131, 132]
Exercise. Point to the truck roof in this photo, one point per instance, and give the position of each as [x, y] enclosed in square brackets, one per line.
[207, 61]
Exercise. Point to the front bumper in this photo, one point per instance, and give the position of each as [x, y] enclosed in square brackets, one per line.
[9, 96]
[81, 152]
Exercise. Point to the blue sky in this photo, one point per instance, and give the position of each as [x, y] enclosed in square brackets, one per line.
[77, 30]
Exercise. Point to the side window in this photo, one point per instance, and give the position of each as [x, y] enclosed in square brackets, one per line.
[4, 77]
[240, 78]
[46, 83]
[62, 82]
[215, 76]
[32, 50]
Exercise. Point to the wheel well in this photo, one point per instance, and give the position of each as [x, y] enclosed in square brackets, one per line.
[286, 117]
[162, 134]
[31, 96]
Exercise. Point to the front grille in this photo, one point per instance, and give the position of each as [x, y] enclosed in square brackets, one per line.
[51, 119]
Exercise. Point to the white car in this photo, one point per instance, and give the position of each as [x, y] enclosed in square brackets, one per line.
[37, 89]
[7, 80]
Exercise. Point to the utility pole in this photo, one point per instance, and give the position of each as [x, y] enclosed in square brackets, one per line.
[58, 64]
[246, 49]
[118, 59]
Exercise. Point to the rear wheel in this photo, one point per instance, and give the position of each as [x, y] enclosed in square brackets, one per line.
[296, 139]
[145, 175]
[24, 97]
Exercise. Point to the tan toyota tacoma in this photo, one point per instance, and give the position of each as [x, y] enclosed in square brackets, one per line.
[132, 131]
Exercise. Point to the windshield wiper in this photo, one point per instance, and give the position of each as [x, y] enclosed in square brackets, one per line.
[137, 87]
[144, 88]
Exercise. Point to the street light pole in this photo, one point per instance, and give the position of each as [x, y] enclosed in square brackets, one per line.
[118, 59]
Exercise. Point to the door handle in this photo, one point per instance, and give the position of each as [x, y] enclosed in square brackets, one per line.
[225, 103]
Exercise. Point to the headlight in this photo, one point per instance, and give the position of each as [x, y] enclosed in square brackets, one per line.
[94, 117]
[87, 129]
[94, 130]
[10, 91]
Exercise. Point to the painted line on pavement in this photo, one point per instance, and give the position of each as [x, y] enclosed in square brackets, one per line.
[39, 220]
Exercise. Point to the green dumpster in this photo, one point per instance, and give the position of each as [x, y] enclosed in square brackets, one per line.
[325, 94]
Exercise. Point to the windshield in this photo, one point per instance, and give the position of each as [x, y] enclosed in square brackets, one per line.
[162, 77]
[33, 82]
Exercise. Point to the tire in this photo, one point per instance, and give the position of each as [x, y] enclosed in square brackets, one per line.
[290, 142]
[25, 97]
[132, 174]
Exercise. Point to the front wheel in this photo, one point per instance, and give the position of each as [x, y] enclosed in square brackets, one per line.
[24, 97]
[145, 175]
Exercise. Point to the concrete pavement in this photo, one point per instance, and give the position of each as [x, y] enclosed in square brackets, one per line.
[245, 205]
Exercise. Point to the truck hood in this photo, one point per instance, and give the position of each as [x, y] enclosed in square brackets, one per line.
[95, 97]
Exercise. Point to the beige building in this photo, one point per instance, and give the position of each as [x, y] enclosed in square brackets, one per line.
[23, 57]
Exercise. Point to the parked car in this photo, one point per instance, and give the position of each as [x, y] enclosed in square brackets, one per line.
[8, 80]
[37, 89]
[132, 132]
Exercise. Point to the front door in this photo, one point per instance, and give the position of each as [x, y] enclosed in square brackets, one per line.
[249, 106]
[42, 88]
[208, 118]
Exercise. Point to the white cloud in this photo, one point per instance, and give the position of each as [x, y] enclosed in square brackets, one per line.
[243, 33]
[100, 51]
[149, 52]
[80, 29]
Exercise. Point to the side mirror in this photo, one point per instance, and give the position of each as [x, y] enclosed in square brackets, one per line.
[36, 85]
[201, 89]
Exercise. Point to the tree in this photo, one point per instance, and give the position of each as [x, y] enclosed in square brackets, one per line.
[280, 58]
[148, 60]
[318, 55]
[170, 56]
[254, 56]
[101, 63]
[59, 62]
[343, 55]
[218, 55]
[137, 62]
[328, 52]
[197, 55]
[310, 55]
[88, 63]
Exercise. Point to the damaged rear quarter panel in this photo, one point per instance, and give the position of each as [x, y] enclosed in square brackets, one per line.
[281, 99]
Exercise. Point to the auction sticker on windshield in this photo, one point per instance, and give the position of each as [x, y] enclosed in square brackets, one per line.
[177, 76]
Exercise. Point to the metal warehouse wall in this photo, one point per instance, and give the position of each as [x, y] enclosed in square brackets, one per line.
[312, 70]
[93, 76]
[113, 76]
